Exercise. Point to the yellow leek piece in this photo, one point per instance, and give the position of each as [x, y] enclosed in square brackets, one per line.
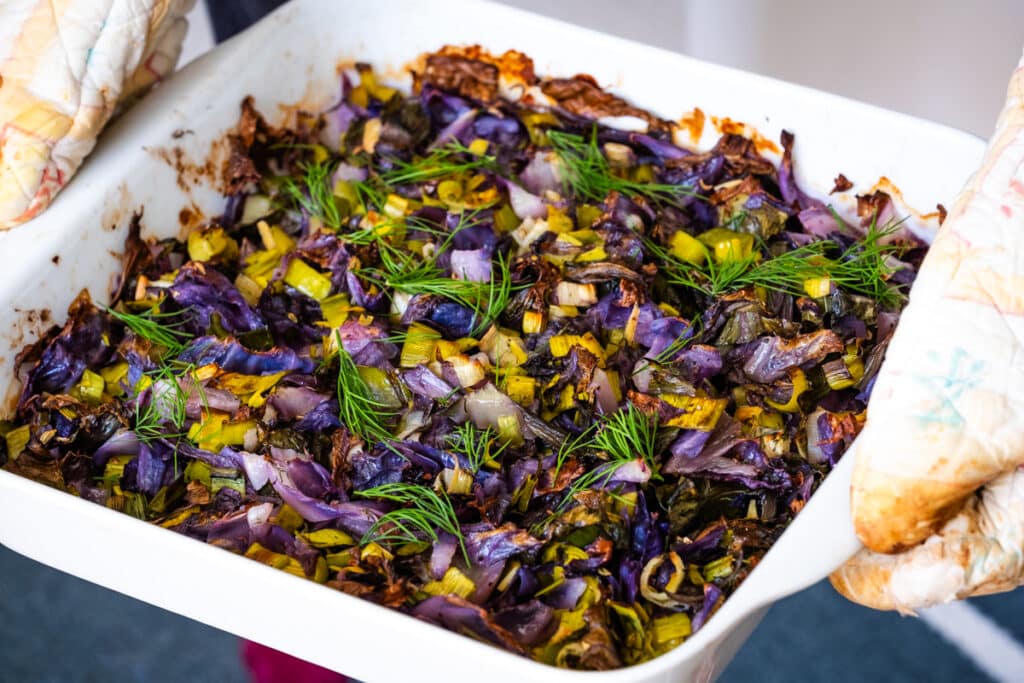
[344, 560]
[536, 122]
[327, 538]
[368, 80]
[197, 470]
[521, 389]
[275, 239]
[669, 309]
[396, 206]
[510, 574]
[381, 389]
[320, 154]
[567, 240]
[687, 248]
[233, 434]
[468, 370]
[629, 331]
[17, 440]
[270, 558]
[249, 388]
[670, 629]
[562, 344]
[702, 413]
[90, 387]
[576, 293]
[728, 245]
[336, 309]
[307, 279]
[854, 363]
[800, 385]
[587, 215]
[509, 429]
[449, 191]
[113, 375]
[179, 517]
[594, 254]
[718, 569]
[420, 345]
[454, 582]
[371, 134]
[533, 322]
[248, 288]
[558, 222]
[616, 384]
[505, 219]
[585, 236]
[457, 481]
[375, 550]
[643, 174]
[205, 245]
[503, 347]
[446, 349]
[557, 579]
[212, 433]
[478, 147]
[818, 287]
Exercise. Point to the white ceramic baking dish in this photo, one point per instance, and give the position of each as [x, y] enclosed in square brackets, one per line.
[290, 57]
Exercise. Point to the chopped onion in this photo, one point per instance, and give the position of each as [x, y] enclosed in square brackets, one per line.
[524, 204]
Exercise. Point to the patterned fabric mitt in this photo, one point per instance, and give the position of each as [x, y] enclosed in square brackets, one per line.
[938, 493]
[64, 67]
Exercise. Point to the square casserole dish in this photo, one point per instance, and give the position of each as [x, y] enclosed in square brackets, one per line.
[153, 160]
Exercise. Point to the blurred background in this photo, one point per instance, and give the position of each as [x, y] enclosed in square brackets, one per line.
[948, 62]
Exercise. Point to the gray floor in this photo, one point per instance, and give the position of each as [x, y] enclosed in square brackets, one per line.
[56, 628]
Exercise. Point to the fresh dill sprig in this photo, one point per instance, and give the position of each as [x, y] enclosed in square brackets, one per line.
[623, 436]
[677, 345]
[570, 447]
[628, 434]
[163, 415]
[369, 195]
[861, 268]
[314, 192]
[475, 445]
[451, 159]
[407, 273]
[158, 328]
[426, 513]
[358, 410]
[587, 172]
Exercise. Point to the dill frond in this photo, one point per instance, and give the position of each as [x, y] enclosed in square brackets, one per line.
[404, 272]
[314, 192]
[623, 437]
[453, 158]
[427, 511]
[158, 328]
[586, 171]
[358, 410]
[861, 268]
[475, 445]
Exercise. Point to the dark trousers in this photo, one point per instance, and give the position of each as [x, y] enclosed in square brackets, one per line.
[231, 16]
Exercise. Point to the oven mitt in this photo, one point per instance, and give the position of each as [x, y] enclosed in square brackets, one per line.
[938, 493]
[64, 67]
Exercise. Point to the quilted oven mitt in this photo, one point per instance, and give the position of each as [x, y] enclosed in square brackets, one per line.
[64, 67]
[937, 479]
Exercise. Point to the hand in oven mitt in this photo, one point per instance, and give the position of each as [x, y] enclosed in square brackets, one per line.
[64, 67]
[938, 490]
